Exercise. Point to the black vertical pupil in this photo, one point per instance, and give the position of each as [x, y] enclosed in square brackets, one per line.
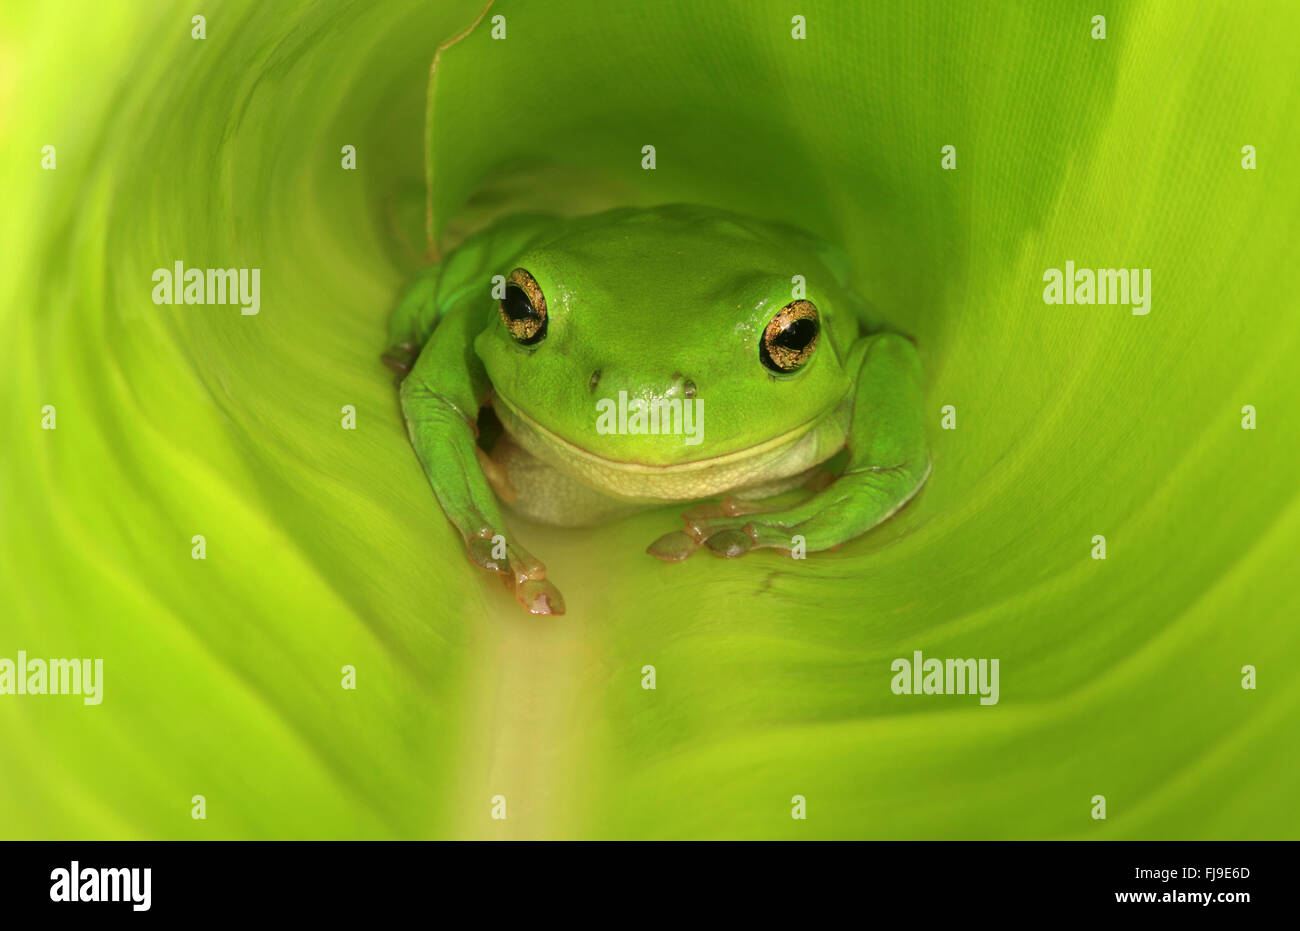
[797, 335]
[517, 306]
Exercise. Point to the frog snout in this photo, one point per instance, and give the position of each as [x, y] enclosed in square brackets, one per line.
[676, 386]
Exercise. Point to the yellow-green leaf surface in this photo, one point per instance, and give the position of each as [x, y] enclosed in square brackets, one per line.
[325, 547]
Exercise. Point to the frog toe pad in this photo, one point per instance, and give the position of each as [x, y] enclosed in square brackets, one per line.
[673, 547]
[519, 571]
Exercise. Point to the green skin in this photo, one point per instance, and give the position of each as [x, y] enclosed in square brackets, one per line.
[662, 303]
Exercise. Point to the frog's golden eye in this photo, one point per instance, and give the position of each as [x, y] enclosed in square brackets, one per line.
[790, 338]
[523, 309]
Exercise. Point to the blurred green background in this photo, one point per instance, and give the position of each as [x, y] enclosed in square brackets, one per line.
[326, 548]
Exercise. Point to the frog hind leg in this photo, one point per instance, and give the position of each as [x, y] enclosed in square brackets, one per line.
[888, 463]
[440, 400]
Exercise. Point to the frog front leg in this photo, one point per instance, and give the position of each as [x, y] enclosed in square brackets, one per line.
[440, 400]
[888, 463]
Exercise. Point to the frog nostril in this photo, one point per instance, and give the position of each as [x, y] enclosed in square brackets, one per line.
[688, 388]
[595, 380]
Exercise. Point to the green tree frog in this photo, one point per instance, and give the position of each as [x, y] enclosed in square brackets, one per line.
[646, 356]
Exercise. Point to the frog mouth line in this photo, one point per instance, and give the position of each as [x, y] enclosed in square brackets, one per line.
[569, 448]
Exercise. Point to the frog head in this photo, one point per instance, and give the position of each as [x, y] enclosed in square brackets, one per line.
[688, 314]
